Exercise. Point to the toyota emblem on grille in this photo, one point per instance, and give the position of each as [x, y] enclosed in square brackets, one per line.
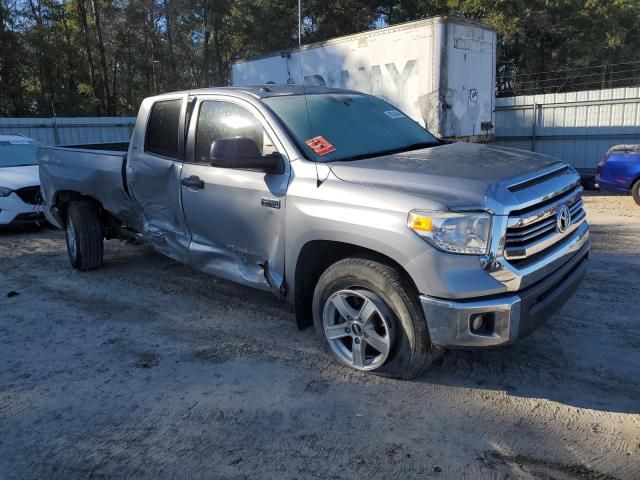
[563, 219]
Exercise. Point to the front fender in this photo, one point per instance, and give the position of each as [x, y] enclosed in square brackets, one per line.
[376, 219]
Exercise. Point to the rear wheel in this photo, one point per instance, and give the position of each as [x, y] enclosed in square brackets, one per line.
[368, 317]
[84, 236]
[635, 191]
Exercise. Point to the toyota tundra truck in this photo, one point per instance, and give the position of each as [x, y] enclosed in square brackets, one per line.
[393, 244]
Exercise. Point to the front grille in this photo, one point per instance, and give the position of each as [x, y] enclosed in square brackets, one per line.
[30, 195]
[28, 217]
[533, 231]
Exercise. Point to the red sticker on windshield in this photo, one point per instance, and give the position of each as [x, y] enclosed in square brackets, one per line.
[320, 145]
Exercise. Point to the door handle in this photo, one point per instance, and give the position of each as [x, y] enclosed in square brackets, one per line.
[193, 182]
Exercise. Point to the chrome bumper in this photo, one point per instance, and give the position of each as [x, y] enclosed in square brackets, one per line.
[506, 318]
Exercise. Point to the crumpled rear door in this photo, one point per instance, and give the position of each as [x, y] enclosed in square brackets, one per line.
[153, 174]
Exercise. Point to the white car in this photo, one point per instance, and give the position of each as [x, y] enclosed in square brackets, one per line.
[20, 202]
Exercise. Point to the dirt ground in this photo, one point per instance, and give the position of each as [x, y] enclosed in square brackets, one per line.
[149, 369]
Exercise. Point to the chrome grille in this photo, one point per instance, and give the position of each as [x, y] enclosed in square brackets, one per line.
[532, 231]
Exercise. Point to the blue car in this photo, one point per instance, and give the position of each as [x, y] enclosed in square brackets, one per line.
[619, 171]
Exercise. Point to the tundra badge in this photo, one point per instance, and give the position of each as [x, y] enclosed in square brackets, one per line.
[270, 202]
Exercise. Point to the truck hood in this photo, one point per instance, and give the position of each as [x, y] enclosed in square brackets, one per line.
[18, 177]
[456, 175]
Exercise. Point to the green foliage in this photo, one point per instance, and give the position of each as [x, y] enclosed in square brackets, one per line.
[101, 57]
[549, 46]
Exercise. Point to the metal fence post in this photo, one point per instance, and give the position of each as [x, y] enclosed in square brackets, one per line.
[533, 127]
[56, 134]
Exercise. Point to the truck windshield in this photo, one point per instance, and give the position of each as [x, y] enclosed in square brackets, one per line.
[330, 127]
[17, 153]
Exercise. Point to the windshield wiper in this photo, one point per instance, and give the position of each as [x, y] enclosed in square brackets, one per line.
[406, 148]
[22, 165]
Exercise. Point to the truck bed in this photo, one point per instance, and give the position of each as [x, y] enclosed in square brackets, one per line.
[92, 171]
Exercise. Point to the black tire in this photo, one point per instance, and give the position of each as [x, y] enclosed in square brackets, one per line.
[84, 236]
[635, 191]
[411, 350]
[589, 183]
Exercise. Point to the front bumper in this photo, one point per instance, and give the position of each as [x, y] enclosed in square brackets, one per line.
[506, 318]
[15, 212]
[610, 186]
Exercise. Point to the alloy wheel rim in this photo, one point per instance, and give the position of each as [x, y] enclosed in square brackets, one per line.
[71, 238]
[357, 328]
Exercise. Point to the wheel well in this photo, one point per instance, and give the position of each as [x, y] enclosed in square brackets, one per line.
[314, 258]
[62, 200]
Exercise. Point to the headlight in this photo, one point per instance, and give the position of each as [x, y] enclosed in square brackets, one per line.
[454, 232]
[5, 192]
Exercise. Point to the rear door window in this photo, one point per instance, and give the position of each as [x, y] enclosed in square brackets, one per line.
[163, 129]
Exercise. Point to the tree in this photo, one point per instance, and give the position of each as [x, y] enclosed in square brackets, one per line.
[102, 57]
[11, 70]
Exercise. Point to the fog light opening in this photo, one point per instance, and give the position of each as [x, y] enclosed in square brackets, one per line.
[482, 323]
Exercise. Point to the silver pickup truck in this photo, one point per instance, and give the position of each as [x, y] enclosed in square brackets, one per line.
[395, 245]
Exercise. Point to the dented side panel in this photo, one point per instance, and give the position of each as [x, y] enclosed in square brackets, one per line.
[237, 220]
[154, 184]
[94, 173]
[233, 235]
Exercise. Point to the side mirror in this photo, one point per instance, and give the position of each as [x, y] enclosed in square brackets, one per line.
[243, 154]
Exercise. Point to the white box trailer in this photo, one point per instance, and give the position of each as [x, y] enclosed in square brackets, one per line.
[440, 71]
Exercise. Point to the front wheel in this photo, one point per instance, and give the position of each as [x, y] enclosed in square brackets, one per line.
[635, 191]
[83, 232]
[368, 316]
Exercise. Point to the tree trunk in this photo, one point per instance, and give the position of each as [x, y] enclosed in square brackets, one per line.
[71, 80]
[114, 84]
[220, 78]
[103, 59]
[44, 71]
[82, 14]
[168, 10]
[204, 74]
[155, 48]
